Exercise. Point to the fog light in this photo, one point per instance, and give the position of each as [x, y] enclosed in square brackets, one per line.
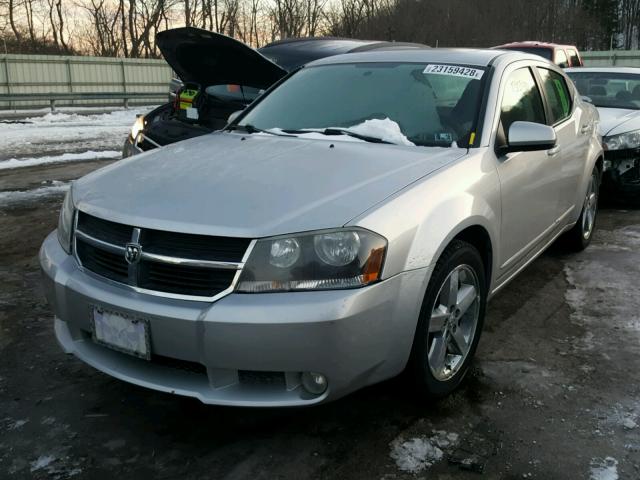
[314, 383]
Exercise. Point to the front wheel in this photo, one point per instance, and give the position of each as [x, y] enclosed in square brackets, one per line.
[579, 237]
[450, 321]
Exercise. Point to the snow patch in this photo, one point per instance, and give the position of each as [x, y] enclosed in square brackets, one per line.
[42, 462]
[21, 196]
[386, 129]
[65, 157]
[419, 453]
[606, 469]
[17, 424]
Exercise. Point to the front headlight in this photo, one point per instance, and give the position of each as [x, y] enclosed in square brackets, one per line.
[623, 141]
[65, 222]
[324, 260]
[137, 127]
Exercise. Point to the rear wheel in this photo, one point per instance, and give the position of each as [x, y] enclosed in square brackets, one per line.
[579, 237]
[451, 320]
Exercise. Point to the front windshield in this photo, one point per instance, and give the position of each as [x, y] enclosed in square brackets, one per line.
[609, 89]
[424, 104]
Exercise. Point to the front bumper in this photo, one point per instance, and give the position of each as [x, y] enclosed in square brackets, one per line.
[244, 349]
[622, 172]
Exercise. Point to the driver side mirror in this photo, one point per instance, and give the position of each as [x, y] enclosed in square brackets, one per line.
[530, 137]
[233, 116]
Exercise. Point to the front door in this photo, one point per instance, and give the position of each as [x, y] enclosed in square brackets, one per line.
[528, 180]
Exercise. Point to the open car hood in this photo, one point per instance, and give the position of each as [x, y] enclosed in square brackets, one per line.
[209, 58]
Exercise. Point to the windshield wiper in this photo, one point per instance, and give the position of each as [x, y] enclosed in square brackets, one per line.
[340, 131]
[253, 129]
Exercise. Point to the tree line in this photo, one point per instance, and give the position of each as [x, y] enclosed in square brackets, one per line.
[127, 28]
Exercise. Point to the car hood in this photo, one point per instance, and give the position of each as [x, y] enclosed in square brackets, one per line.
[209, 58]
[255, 185]
[618, 120]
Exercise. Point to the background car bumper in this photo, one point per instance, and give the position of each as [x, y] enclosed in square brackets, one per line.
[245, 349]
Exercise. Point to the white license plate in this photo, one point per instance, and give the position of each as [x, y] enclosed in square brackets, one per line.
[121, 332]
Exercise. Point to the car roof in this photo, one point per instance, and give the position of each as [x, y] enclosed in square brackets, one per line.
[534, 44]
[604, 69]
[462, 56]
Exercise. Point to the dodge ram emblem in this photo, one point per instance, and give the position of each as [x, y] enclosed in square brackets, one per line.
[132, 253]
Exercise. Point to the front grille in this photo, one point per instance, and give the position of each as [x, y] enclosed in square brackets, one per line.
[102, 262]
[184, 280]
[187, 265]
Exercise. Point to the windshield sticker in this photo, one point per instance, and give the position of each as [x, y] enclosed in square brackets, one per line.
[456, 71]
[444, 137]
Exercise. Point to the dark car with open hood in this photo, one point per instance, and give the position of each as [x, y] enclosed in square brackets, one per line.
[220, 75]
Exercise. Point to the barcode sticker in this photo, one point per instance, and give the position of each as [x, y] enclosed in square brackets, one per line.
[455, 70]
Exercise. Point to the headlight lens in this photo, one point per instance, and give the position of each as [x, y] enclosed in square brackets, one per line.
[65, 222]
[623, 141]
[137, 127]
[325, 260]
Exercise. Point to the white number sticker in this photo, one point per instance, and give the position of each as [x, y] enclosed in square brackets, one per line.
[455, 70]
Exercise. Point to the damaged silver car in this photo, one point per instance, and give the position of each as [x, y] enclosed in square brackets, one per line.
[351, 224]
[615, 91]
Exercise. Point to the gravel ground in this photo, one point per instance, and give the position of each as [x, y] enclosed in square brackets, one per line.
[553, 393]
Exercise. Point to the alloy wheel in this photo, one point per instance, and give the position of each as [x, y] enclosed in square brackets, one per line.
[590, 207]
[453, 322]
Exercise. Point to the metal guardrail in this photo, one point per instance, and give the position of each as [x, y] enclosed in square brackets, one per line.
[55, 96]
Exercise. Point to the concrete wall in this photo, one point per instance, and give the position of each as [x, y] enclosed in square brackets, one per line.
[618, 58]
[52, 73]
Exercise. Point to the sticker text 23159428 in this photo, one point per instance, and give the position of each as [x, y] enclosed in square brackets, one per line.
[454, 70]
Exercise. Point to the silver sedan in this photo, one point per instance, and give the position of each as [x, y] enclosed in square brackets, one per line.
[350, 224]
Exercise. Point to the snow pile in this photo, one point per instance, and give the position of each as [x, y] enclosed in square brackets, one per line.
[606, 469]
[116, 117]
[65, 157]
[58, 133]
[20, 196]
[419, 453]
[386, 129]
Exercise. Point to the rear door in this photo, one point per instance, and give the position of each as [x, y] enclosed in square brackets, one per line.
[528, 180]
[573, 131]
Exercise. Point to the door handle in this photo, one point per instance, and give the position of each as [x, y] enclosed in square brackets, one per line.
[585, 128]
[554, 151]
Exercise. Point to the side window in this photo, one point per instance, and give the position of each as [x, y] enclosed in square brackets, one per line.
[521, 100]
[573, 56]
[561, 59]
[557, 93]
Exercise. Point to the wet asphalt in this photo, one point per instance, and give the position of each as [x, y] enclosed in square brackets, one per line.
[553, 393]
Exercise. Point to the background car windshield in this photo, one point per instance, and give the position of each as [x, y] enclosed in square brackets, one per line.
[607, 89]
[431, 109]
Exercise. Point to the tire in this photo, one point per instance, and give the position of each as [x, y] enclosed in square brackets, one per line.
[580, 235]
[436, 373]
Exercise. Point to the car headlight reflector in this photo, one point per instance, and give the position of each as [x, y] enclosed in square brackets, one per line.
[65, 222]
[325, 260]
[623, 141]
[337, 248]
[284, 252]
[137, 127]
